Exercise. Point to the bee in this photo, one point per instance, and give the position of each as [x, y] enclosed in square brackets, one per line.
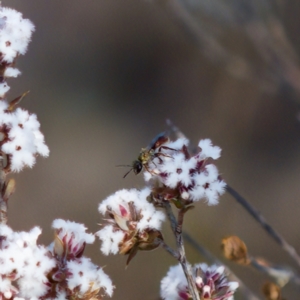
[148, 154]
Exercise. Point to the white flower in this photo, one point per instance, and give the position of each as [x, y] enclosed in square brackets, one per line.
[86, 278]
[193, 177]
[173, 283]
[208, 150]
[148, 217]
[133, 222]
[15, 34]
[23, 138]
[24, 262]
[11, 72]
[110, 239]
[75, 275]
[4, 88]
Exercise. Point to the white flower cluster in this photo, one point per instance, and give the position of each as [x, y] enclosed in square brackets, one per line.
[15, 34]
[86, 279]
[24, 265]
[20, 138]
[81, 276]
[194, 177]
[26, 268]
[130, 212]
[211, 283]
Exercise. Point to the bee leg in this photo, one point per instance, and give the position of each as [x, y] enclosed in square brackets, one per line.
[151, 172]
[162, 154]
[127, 172]
[167, 148]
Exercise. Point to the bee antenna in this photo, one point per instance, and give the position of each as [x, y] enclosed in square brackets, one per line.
[123, 166]
[128, 172]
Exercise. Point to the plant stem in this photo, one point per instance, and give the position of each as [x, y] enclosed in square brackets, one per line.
[170, 216]
[3, 202]
[168, 248]
[177, 230]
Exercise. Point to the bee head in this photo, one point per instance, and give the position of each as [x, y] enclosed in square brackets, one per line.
[137, 167]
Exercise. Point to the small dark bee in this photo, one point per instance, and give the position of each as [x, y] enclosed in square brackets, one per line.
[147, 154]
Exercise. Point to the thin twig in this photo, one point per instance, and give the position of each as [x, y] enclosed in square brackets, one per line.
[262, 221]
[171, 217]
[282, 275]
[168, 248]
[182, 257]
[198, 33]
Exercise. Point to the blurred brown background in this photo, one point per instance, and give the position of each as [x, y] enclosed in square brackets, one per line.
[104, 76]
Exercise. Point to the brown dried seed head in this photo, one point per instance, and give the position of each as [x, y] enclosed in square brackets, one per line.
[271, 291]
[235, 249]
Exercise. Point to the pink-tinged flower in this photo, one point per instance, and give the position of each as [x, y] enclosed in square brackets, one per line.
[31, 271]
[79, 279]
[75, 276]
[132, 223]
[70, 239]
[211, 283]
[178, 176]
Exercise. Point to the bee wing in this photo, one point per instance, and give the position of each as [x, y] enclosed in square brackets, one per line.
[158, 141]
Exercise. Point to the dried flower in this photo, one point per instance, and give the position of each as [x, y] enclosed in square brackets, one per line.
[271, 291]
[235, 249]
